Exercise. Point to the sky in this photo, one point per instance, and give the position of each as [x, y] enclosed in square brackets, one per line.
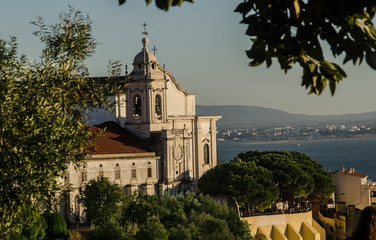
[203, 46]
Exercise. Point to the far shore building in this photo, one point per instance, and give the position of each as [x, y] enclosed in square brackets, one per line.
[157, 143]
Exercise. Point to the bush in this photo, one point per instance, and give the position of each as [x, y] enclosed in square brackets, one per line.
[110, 230]
[153, 230]
[35, 231]
[57, 227]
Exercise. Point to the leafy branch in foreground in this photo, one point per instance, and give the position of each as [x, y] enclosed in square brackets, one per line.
[293, 31]
[162, 4]
[42, 104]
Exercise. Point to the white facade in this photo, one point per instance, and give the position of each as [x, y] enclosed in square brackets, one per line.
[180, 146]
[155, 108]
[352, 188]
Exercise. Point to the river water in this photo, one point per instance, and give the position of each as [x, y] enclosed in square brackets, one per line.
[333, 154]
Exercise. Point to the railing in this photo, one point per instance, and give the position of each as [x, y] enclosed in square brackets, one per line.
[298, 208]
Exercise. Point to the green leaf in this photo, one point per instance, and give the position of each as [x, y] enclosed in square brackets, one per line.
[371, 59]
[327, 74]
[340, 72]
[164, 4]
[268, 62]
[328, 66]
[243, 8]
[315, 52]
[255, 63]
[177, 2]
[332, 87]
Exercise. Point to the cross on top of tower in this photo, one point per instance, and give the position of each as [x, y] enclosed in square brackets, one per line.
[144, 32]
[154, 49]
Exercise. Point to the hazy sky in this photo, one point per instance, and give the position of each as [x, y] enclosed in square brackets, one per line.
[203, 46]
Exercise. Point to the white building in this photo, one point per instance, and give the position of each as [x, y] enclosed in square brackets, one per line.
[158, 144]
[352, 188]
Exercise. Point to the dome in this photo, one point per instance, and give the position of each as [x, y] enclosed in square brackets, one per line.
[145, 65]
[144, 55]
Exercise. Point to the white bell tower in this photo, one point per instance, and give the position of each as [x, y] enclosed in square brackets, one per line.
[156, 109]
[145, 94]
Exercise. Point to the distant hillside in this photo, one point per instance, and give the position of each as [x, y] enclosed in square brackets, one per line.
[259, 116]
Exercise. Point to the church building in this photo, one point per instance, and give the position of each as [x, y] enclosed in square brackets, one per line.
[157, 144]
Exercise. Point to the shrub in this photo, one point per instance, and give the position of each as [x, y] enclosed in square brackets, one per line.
[57, 227]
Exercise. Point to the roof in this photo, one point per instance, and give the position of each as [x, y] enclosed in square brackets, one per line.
[115, 140]
[145, 65]
[351, 171]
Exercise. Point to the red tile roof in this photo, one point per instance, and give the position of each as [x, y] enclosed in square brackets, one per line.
[352, 172]
[115, 140]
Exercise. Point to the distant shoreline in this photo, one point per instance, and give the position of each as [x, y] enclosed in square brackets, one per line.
[297, 141]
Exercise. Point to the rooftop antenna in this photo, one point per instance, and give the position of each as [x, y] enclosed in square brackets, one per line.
[126, 70]
[145, 32]
[154, 49]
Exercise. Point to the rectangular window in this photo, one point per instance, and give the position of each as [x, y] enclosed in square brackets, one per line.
[84, 176]
[133, 173]
[117, 174]
[149, 172]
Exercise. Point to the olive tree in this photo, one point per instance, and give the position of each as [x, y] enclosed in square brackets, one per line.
[102, 200]
[41, 116]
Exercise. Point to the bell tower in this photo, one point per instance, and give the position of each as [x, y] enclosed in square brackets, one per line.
[156, 109]
[145, 93]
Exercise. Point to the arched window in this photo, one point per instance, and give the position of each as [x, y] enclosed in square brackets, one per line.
[84, 176]
[158, 105]
[137, 110]
[206, 154]
[100, 172]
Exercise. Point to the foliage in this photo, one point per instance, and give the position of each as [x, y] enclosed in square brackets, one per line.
[260, 178]
[36, 231]
[57, 227]
[245, 181]
[292, 180]
[293, 32]
[46, 226]
[187, 216]
[324, 186]
[163, 4]
[152, 230]
[296, 174]
[102, 200]
[109, 230]
[41, 109]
